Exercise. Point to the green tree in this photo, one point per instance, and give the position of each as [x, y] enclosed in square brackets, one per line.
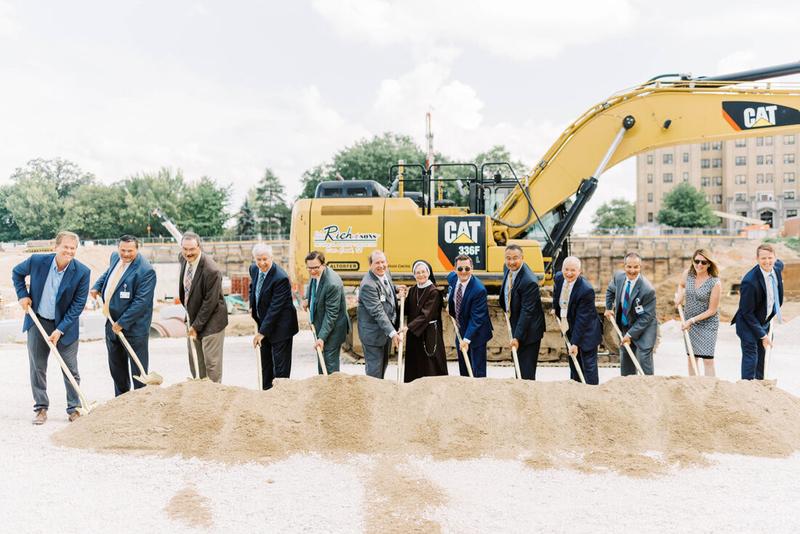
[93, 211]
[246, 220]
[9, 231]
[500, 154]
[311, 178]
[202, 208]
[272, 212]
[61, 174]
[616, 214]
[147, 191]
[686, 207]
[35, 207]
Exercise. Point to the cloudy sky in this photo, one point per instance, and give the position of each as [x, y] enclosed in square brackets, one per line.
[226, 89]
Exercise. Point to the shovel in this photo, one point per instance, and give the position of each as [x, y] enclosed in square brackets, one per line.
[319, 351]
[513, 350]
[260, 370]
[401, 367]
[569, 351]
[466, 356]
[148, 379]
[192, 341]
[628, 348]
[768, 352]
[688, 342]
[85, 407]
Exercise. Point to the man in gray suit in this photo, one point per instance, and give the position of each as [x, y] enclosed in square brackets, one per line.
[631, 301]
[327, 309]
[378, 314]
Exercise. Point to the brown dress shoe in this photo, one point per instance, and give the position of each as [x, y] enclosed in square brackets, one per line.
[40, 417]
[74, 415]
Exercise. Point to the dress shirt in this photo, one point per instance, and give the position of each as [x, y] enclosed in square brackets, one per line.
[770, 294]
[47, 304]
[108, 290]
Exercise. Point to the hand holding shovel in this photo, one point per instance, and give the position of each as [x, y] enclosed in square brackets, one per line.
[463, 351]
[569, 350]
[517, 372]
[627, 347]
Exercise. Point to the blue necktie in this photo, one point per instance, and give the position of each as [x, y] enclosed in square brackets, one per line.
[626, 303]
[259, 285]
[775, 297]
[313, 291]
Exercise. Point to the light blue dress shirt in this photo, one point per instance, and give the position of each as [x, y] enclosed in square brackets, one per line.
[47, 304]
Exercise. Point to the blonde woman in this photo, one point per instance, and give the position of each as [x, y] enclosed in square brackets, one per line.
[700, 287]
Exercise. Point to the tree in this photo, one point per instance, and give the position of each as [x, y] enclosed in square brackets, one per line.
[500, 154]
[311, 178]
[9, 231]
[246, 220]
[147, 191]
[686, 207]
[615, 214]
[61, 174]
[272, 212]
[93, 211]
[35, 207]
[202, 208]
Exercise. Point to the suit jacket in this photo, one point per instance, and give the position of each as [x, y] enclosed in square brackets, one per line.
[134, 313]
[377, 318]
[752, 319]
[205, 303]
[643, 324]
[473, 319]
[275, 314]
[330, 309]
[70, 299]
[585, 329]
[526, 314]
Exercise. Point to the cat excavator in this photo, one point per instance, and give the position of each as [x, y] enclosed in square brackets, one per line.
[414, 220]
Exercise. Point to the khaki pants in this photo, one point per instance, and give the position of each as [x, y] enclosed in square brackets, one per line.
[209, 355]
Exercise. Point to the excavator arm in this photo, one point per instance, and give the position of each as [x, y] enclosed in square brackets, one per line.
[657, 114]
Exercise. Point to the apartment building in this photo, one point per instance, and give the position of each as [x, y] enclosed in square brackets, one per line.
[753, 177]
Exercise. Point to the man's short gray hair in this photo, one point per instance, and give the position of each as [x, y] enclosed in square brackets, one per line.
[191, 236]
[259, 249]
[572, 259]
[67, 235]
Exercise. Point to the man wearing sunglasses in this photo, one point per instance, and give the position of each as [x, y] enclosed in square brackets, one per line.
[760, 300]
[467, 302]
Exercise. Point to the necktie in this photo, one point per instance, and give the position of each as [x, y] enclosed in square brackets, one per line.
[187, 279]
[259, 285]
[776, 300]
[563, 302]
[313, 291]
[509, 285]
[111, 286]
[459, 296]
[626, 303]
[389, 295]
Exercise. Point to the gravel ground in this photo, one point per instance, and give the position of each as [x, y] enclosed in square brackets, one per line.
[49, 489]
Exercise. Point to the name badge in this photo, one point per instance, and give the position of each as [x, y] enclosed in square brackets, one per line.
[639, 309]
[383, 297]
[124, 294]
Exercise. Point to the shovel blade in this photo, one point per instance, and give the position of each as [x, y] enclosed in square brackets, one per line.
[150, 379]
[85, 410]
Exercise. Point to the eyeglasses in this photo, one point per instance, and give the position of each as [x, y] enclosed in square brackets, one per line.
[701, 262]
[313, 267]
[466, 268]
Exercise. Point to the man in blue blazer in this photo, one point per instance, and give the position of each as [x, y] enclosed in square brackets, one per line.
[573, 303]
[127, 289]
[760, 299]
[521, 299]
[467, 302]
[273, 311]
[59, 285]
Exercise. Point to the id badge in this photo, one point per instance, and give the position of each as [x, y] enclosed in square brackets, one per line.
[124, 294]
[383, 297]
[639, 309]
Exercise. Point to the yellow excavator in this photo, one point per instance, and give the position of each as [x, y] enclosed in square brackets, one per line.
[349, 219]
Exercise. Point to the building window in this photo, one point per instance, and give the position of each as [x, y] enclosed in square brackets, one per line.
[717, 180]
[759, 160]
[788, 139]
[768, 140]
[759, 178]
[768, 159]
[705, 146]
[791, 213]
[650, 216]
[716, 163]
[649, 197]
[686, 157]
[667, 177]
[717, 199]
[764, 196]
[705, 181]
[717, 145]
[740, 197]
[788, 195]
[741, 142]
[759, 141]
[788, 158]
[649, 177]
[740, 179]
[770, 177]
[788, 177]
[649, 159]
[686, 177]
[741, 160]
[705, 163]
[666, 158]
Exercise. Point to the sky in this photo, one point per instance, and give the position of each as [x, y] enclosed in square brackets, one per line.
[227, 89]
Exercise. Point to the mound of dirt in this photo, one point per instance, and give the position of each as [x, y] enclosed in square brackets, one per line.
[634, 425]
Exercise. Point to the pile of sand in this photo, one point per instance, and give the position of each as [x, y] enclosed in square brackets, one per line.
[631, 424]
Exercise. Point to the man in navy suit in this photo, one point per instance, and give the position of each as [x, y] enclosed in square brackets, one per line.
[573, 303]
[521, 299]
[467, 302]
[760, 299]
[127, 289]
[274, 313]
[59, 285]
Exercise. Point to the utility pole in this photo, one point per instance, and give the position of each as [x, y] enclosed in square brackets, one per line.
[429, 158]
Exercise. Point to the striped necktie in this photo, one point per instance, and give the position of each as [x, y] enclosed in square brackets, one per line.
[459, 296]
[626, 303]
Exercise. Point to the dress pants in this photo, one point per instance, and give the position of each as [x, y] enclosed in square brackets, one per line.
[587, 359]
[644, 355]
[120, 363]
[38, 351]
[528, 356]
[331, 356]
[752, 360]
[276, 361]
[376, 358]
[209, 355]
[477, 357]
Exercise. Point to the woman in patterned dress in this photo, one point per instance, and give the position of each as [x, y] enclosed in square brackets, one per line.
[700, 287]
